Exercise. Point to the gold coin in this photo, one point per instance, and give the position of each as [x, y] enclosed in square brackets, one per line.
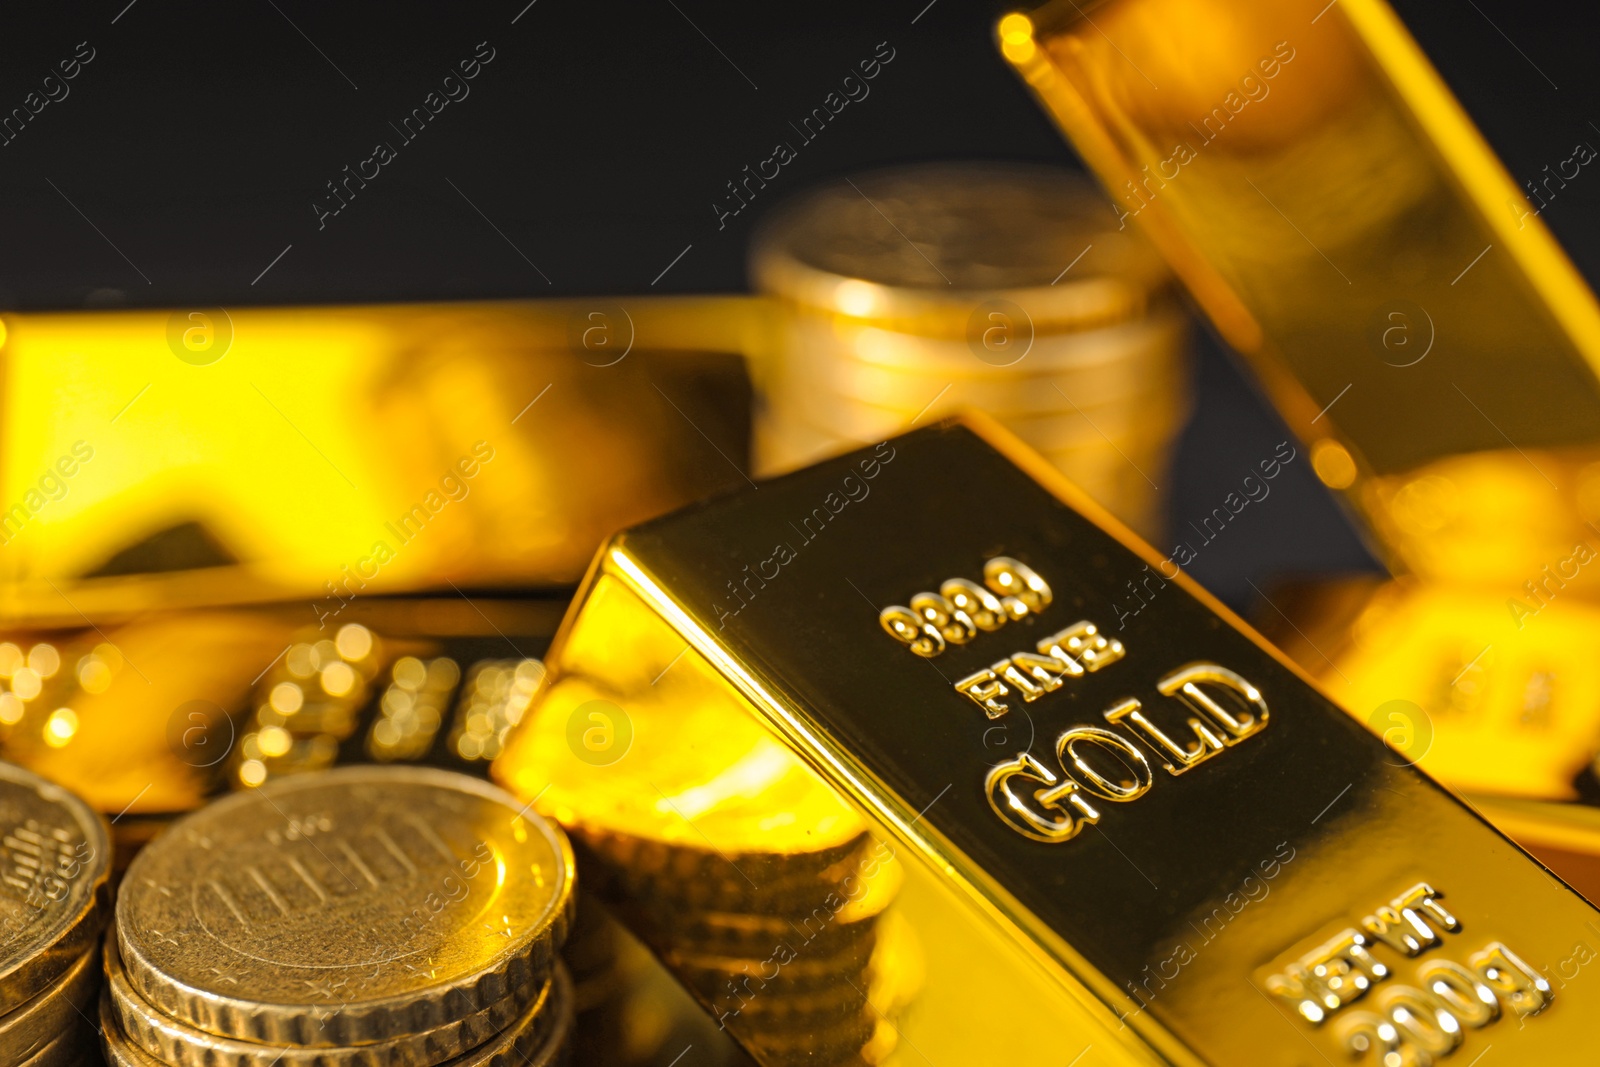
[704, 778]
[181, 1045]
[55, 858]
[1064, 425]
[53, 1011]
[345, 908]
[811, 1009]
[831, 1044]
[834, 917]
[782, 972]
[832, 349]
[538, 1038]
[1020, 390]
[635, 869]
[1157, 400]
[782, 1024]
[915, 244]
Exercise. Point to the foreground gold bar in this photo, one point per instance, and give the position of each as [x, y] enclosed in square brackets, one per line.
[1158, 844]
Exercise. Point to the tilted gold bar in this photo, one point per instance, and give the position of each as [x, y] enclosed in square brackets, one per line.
[1344, 224]
[1157, 844]
[1309, 175]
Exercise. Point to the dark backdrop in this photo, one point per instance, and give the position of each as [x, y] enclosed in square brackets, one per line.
[183, 164]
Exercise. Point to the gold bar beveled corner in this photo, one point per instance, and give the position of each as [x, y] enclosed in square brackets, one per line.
[1173, 847]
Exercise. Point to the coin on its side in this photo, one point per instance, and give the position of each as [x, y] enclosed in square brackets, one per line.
[48, 1014]
[345, 908]
[540, 1038]
[180, 1045]
[55, 859]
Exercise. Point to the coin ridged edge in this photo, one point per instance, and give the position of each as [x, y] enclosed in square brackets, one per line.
[550, 1029]
[323, 1025]
[173, 1042]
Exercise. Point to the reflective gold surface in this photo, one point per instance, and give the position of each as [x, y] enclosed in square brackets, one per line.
[1333, 208]
[1310, 177]
[1225, 888]
[752, 879]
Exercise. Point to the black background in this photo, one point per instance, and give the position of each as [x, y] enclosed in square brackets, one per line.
[189, 152]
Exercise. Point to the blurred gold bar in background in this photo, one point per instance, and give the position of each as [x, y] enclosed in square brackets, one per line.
[742, 721]
[254, 454]
[1335, 212]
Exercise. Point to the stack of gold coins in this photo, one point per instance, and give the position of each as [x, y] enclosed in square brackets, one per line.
[307, 704]
[905, 294]
[367, 915]
[55, 859]
[760, 888]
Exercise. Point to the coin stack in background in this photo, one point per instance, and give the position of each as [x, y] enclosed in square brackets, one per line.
[366, 915]
[906, 294]
[55, 859]
[307, 703]
[757, 885]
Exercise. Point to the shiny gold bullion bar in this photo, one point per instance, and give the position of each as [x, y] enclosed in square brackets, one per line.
[1331, 205]
[1150, 844]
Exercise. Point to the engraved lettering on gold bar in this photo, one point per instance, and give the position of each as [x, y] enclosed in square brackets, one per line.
[1056, 796]
[1078, 650]
[1181, 755]
[1401, 924]
[962, 609]
[985, 689]
[1134, 783]
[1083, 643]
[1238, 723]
[1411, 1023]
[1510, 978]
[1329, 977]
[1135, 778]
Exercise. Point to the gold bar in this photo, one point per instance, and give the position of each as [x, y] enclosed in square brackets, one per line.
[1331, 205]
[1349, 231]
[187, 457]
[1158, 844]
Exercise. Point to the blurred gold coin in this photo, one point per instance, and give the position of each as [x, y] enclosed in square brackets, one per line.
[344, 908]
[911, 244]
[909, 294]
